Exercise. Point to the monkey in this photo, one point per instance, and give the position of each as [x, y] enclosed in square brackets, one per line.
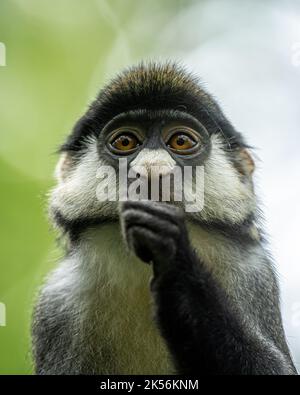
[147, 287]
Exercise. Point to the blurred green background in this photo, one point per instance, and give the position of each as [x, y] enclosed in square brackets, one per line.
[60, 52]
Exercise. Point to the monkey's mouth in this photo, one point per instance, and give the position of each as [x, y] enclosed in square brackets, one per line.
[156, 189]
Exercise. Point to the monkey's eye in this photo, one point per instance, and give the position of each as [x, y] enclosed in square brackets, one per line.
[125, 143]
[181, 141]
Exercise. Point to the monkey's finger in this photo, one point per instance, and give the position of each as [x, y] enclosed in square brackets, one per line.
[154, 223]
[163, 210]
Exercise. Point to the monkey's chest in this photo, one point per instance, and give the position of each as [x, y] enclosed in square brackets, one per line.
[123, 338]
[127, 337]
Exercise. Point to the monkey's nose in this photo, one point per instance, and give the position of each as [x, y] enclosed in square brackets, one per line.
[153, 163]
[153, 170]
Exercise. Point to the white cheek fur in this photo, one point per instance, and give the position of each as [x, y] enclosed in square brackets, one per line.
[75, 196]
[226, 197]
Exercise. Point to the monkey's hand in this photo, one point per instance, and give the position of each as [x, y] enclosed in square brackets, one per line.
[155, 231]
[199, 321]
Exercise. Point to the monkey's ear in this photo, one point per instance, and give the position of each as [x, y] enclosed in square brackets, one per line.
[244, 162]
[63, 167]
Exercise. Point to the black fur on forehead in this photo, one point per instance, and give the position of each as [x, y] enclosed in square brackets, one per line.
[152, 86]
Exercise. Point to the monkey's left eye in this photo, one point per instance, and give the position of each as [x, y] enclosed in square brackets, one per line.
[124, 143]
[181, 141]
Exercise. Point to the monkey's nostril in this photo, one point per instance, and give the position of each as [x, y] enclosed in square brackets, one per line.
[138, 175]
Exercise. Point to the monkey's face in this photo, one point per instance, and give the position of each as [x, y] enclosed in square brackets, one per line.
[157, 148]
[155, 144]
[152, 146]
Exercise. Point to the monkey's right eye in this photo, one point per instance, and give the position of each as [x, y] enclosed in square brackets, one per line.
[124, 143]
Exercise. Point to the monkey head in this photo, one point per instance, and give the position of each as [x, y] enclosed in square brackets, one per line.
[154, 116]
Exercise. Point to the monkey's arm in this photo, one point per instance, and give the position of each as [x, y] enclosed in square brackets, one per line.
[205, 331]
